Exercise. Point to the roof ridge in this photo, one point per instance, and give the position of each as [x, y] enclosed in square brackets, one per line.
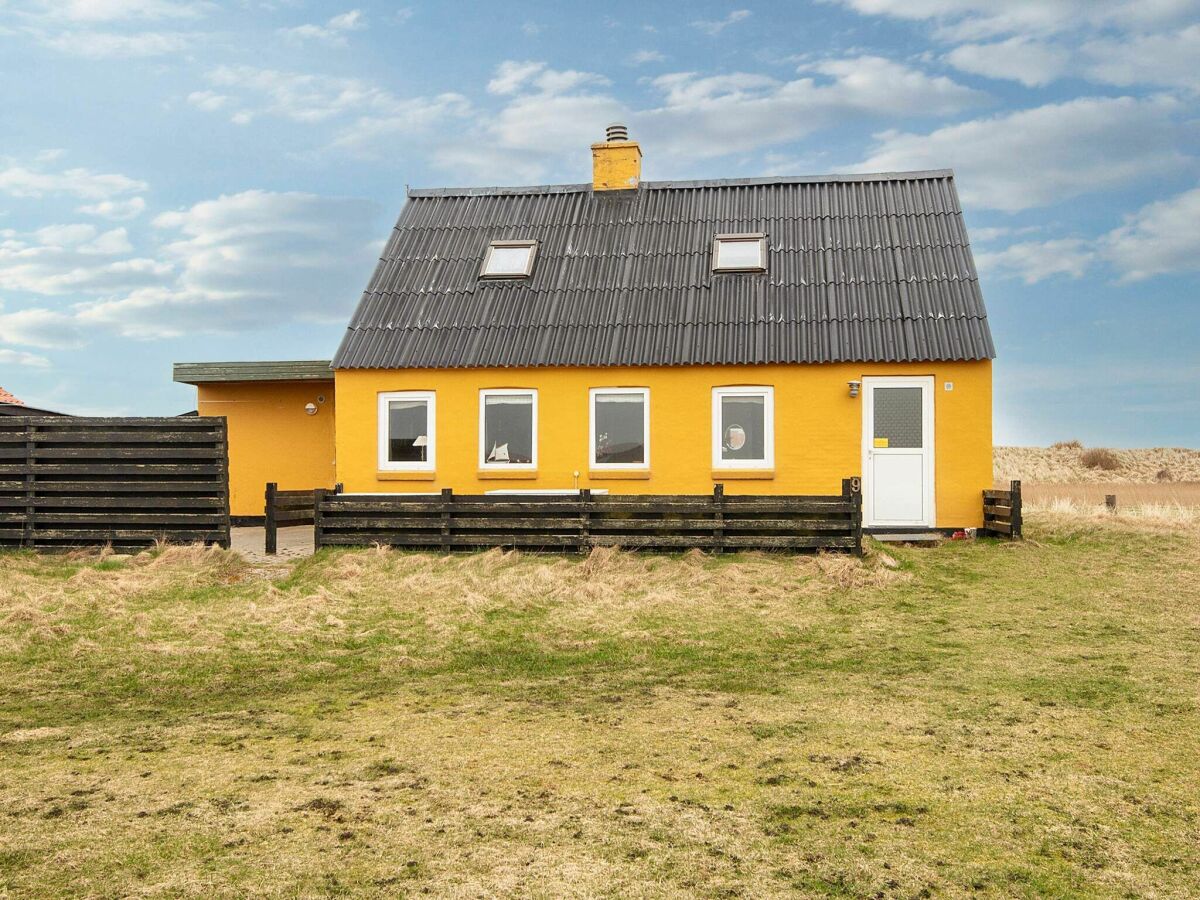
[502, 191]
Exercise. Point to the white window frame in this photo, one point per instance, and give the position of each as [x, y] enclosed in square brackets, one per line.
[430, 463]
[759, 236]
[493, 245]
[644, 393]
[718, 426]
[483, 450]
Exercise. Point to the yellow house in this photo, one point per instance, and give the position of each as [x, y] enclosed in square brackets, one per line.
[775, 335]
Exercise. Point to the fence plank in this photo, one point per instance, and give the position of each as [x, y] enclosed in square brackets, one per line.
[1002, 512]
[670, 522]
[124, 481]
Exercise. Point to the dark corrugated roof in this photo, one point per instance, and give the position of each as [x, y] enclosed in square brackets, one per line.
[269, 370]
[865, 267]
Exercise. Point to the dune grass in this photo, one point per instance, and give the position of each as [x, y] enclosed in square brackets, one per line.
[978, 718]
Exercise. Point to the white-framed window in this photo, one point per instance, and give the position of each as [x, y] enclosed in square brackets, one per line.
[508, 428]
[508, 259]
[619, 430]
[407, 431]
[743, 427]
[740, 253]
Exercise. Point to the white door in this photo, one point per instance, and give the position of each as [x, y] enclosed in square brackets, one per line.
[898, 452]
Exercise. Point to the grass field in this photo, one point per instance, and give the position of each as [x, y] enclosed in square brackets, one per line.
[985, 719]
[1173, 495]
[1064, 464]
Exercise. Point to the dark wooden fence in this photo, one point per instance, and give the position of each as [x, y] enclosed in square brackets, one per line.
[1002, 512]
[71, 481]
[284, 508]
[578, 522]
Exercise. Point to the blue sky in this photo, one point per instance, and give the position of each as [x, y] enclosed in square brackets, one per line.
[192, 180]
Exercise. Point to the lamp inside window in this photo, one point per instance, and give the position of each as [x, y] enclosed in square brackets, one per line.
[509, 259]
[740, 253]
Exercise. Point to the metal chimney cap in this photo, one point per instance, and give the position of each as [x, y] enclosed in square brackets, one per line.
[616, 132]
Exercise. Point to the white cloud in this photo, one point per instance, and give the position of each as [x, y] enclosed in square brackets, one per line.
[1039, 156]
[92, 11]
[22, 359]
[1032, 63]
[91, 44]
[1167, 59]
[512, 77]
[975, 19]
[642, 57]
[81, 268]
[117, 210]
[209, 101]
[414, 120]
[64, 235]
[715, 27]
[109, 243]
[73, 258]
[334, 30]
[716, 115]
[301, 97]
[550, 115]
[22, 181]
[370, 114]
[43, 328]
[1171, 59]
[1159, 238]
[250, 260]
[1034, 261]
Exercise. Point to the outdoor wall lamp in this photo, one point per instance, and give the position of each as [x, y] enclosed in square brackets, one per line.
[854, 387]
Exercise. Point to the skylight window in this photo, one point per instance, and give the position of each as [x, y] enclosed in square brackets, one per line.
[740, 253]
[508, 259]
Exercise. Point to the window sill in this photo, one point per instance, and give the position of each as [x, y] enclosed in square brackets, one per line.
[502, 474]
[619, 474]
[405, 476]
[743, 474]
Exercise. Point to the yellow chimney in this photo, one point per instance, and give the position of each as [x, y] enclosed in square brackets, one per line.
[616, 161]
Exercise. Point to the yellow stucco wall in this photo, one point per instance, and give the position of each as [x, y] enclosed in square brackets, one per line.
[616, 165]
[271, 438]
[818, 429]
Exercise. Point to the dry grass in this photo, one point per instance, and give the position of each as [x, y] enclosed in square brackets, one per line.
[1100, 458]
[1064, 463]
[1183, 497]
[985, 718]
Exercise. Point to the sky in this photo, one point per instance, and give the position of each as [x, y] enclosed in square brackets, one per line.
[185, 180]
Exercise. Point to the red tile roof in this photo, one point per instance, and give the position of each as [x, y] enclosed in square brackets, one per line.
[6, 397]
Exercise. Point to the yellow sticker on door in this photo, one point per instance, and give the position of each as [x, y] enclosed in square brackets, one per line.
[881, 442]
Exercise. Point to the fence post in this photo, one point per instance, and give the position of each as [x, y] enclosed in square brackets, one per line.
[1110, 502]
[585, 519]
[270, 539]
[318, 526]
[227, 524]
[447, 499]
[27, 535]
[719, 517]
[1015, 517]
[852, 491]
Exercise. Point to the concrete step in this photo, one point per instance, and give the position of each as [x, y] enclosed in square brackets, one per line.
[897, 537]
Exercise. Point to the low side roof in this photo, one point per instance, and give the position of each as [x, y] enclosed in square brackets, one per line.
[860, 268]
[271, 370]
